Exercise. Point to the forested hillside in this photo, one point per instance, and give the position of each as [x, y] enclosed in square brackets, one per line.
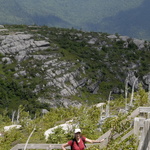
[124, 17]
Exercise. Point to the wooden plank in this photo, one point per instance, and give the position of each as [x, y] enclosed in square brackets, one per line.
[145, 138]
[134, 113]
[144, 109]
[44, 146]
[127, 135]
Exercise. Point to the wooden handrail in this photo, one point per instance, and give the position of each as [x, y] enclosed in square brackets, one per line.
[144, 109]
[44, 146]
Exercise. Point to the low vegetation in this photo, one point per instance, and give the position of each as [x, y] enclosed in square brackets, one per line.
[86, 117]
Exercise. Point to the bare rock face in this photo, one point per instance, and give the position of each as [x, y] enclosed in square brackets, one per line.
[20, 44]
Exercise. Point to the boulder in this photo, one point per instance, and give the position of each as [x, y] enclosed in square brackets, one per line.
[112, 36]
[44, 111]
[146, 78]
[99, 105]
[41, 43]
[68, 126]
[7, 128]
[124, 38]
[139, 43]
[23, 73]
[6, 60]
[92, 41]
[1, 26]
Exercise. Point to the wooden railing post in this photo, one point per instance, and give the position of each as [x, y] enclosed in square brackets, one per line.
[145, 138]
[50, 147]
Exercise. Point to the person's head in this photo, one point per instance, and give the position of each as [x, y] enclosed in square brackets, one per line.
[77, 133]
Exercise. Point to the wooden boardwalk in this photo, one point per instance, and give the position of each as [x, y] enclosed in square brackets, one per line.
[135, 113]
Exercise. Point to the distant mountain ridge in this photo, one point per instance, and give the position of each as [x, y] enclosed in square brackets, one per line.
[134, 22]
[123, 17]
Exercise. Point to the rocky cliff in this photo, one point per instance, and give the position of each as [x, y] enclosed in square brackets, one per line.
[64, 67]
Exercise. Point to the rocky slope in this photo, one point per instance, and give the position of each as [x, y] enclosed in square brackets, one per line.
[64, 67]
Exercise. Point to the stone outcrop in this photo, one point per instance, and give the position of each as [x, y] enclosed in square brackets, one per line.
[20, 44]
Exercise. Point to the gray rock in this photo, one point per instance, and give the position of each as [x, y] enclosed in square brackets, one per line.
[112, 37]
[2, 37]
[58, 72]
[41, 43]
[139, 43]
[1, 26]
[64, 92]
[92, 41]
[44, 111]
[37, 89]
[146, 79]
[94, 87]
[49, 84]
[79, 34]
[22, 73]
[73, 81]
[82, 82]
[20, 58]
[16, 75]
[67, 103]
[125, 45]
[124, 38]
[6, 60]
[58, 84]
[2, 30]
[21, 42]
